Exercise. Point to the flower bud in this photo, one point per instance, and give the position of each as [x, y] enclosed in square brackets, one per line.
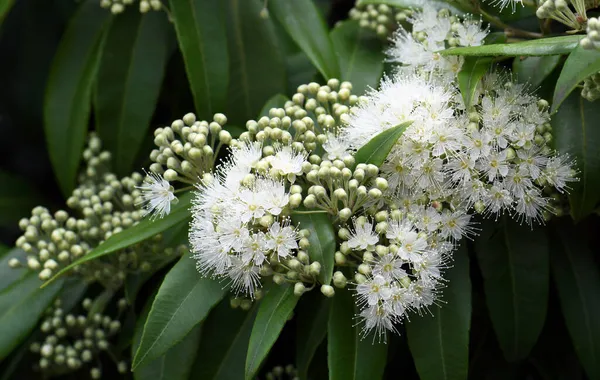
[314, 268]
[278, 278]
[364, 269]
[327, 290]
[345, 213]
[299, 289]
[340, 259]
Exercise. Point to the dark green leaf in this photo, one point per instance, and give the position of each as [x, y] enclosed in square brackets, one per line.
[440, 342]
[580, 64]
[5, 7]
[575, 131]
[360, 55]
[17, 198]
[514, 263]
[577, 279]
[273, 312]
[470, 75]
[202, 39]
[313, 314]
[542, 46]
[533, 70]
[257, 69]
[183, 301]
[135, 281]
[276, 101]
[68, 91]
[8, 275]
[300, 70]
[376, 151]
[322, 241]
[349, 356]
[140, 232]
[302, 21]
[130, 75]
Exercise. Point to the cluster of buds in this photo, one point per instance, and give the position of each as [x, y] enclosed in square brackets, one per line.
[71, 342]
[281, 373]
[560, 10]
[592, 39]
[591, 87]
[118, 6]
[381, 18]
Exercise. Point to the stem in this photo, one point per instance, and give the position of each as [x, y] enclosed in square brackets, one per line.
[183, 189]
[309, 212]
[508, 30]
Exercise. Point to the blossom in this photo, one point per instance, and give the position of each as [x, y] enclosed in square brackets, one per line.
[363, 236]
[287, 161]
[157, 195]
[282, 239]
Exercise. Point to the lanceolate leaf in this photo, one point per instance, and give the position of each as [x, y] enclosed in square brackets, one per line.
[440, 342]
[575, 131]
[302, 21]
[130, 75]
[8, 275]
[376, 151]
[276, 101]
[360, 55]
[533, 70]
[470, 75]
[182, 302]
[580, 64]
[200, 27]
[322, 241]
[313, 314]
[578, 282]
[542, 46]
[140, 232]
[349, 356]
[273, 312]
[514, 263]
[257, 69]
[68, 91]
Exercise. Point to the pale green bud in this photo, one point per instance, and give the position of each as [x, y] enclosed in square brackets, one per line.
[340, 259]
[299, 289]
[327, 290]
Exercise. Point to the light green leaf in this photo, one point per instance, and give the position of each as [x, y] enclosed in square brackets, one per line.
[8, 275]
[376, 151]
[349, 356]
[200, 27]
[360, 54]
[302, 21]
[140, 232]
[276, 101]
[533, 70]
[439, 342]
[182, 302]
[577, 279]
[542, 46]
[313, 314]
[273, 312]
[470, 75]
[575, 131]
[130, 75]
[514, 263]
[322, 241]
[68, 91]
[580, 64]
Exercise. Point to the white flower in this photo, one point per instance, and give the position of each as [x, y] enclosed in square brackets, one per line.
[371, 292]
[495, 165]
[282, 240]
[273, 195]
[412, 247]
[245, 278]
[377, 318]
[254, 249]
[531, 206]
[337, 147]
[398, 229]
[505, 3]
[389, 267]
[287, 161]
[455, 225]
[363, 236]
[532, 161]
[233, 233]
[498, 198]
[251, 205]
[157, 195]
[470, 33]
[559, 171]
[247, 155]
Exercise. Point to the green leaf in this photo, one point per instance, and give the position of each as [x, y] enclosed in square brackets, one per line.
[68, 91]
[360, 55]
[302, 21]
[577, 279]
[322, 241]
[575, 131]
[176, 363]
[470, 75]
[580, 64]
[542, 46]
[145, 229]
[273, 312]
[276, 101]
[533, 70]
[440, 342]
[183, 301]
[17, 198]
[408, 4]
[8, 275]
[257, 69]
[130, 75]
[376, 151]
[222, 350]
[313, 314]
[349, 356]
[5, 7]
[514, 263]
[202, 39]
[21, 306]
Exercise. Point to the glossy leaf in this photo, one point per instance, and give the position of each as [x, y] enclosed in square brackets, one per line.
[322, 241]
[276, 101]
[514, 263]
[304, 24]
[533, 70]
[577, 279]
[470, 75]
[376, 151]
[440, 342]
[360, 55]
[580, 64]
[130, 75]
[68, 91]
[273, 312]
[145, 229]
[200, 28]
[182, 302]
[349, 356]
[539, 47]
[257, 69]
[313, 314]
[575, 131]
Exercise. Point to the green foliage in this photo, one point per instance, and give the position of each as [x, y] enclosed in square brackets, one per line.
[470, 75]
[533, 70]
[579, 65]
[377, 149]
[545, 46]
